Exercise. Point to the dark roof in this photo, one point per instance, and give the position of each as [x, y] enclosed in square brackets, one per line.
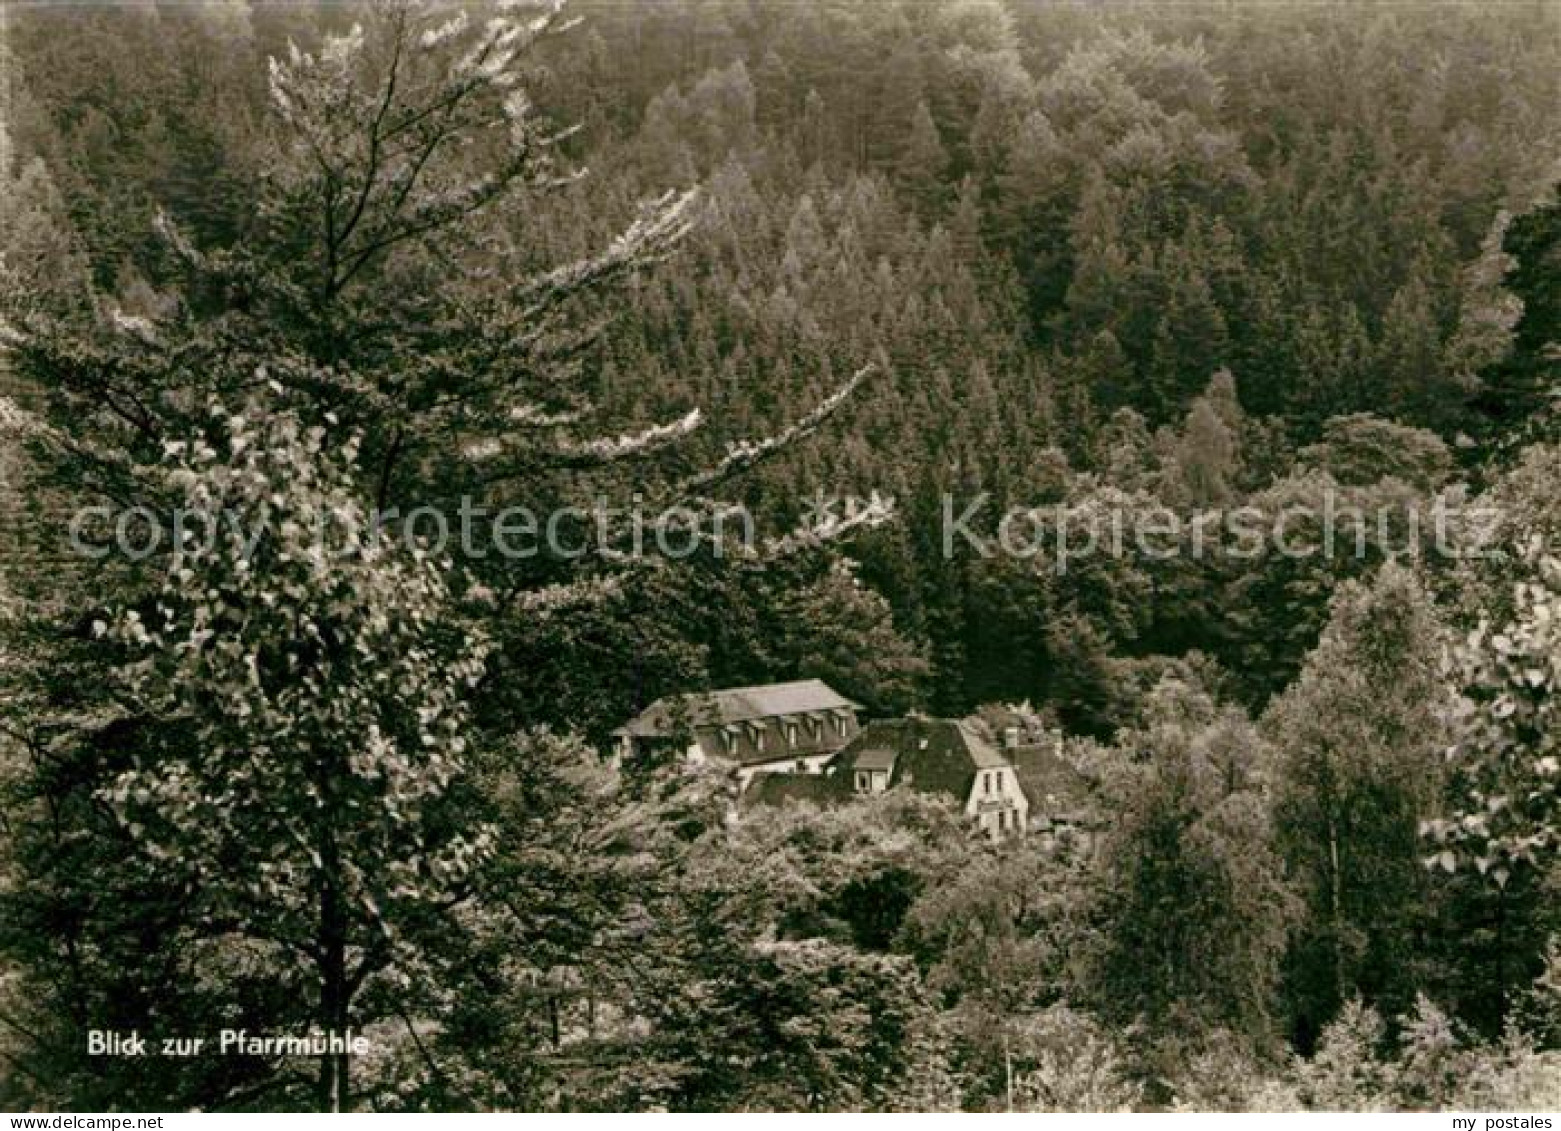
[1054, 786]
[877, 758]
[736, 705]
[783, 789]
[938, 756]
[928, 755]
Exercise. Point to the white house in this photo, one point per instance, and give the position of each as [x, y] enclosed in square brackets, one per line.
[792, 727]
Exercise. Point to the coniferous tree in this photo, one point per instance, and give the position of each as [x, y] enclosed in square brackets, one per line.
[402, 142]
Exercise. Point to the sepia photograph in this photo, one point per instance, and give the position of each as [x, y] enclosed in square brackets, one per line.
[789, 556]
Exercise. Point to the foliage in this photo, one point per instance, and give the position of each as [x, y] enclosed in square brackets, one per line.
[1346, 1074]
[1357, 734]
[1362, 450]
[773, 986]
[299, 682]
[1075, 1066]
[1195, 905]
[1507, 775]
[1130, 261]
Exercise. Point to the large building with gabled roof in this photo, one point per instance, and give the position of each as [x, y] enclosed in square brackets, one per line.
[943, 757]
[800, 742]
[794, 727]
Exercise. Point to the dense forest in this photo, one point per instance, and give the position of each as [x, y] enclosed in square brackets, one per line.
[316, 262]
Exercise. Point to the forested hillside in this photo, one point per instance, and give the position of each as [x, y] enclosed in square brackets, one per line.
[1128, 259]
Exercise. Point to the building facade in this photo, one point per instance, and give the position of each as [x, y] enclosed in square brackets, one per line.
[941, 756]
[795, 727]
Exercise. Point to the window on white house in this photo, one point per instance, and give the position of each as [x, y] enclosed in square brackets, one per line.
[864, 781]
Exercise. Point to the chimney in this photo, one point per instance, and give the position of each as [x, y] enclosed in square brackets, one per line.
[1010, 737]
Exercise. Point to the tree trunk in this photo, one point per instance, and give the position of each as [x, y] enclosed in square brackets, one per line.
[1008, 1067]
[334, 991]
[1335, 906]
[1501, 955]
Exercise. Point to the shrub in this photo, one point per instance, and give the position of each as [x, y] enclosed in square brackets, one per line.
[1073, 1066]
